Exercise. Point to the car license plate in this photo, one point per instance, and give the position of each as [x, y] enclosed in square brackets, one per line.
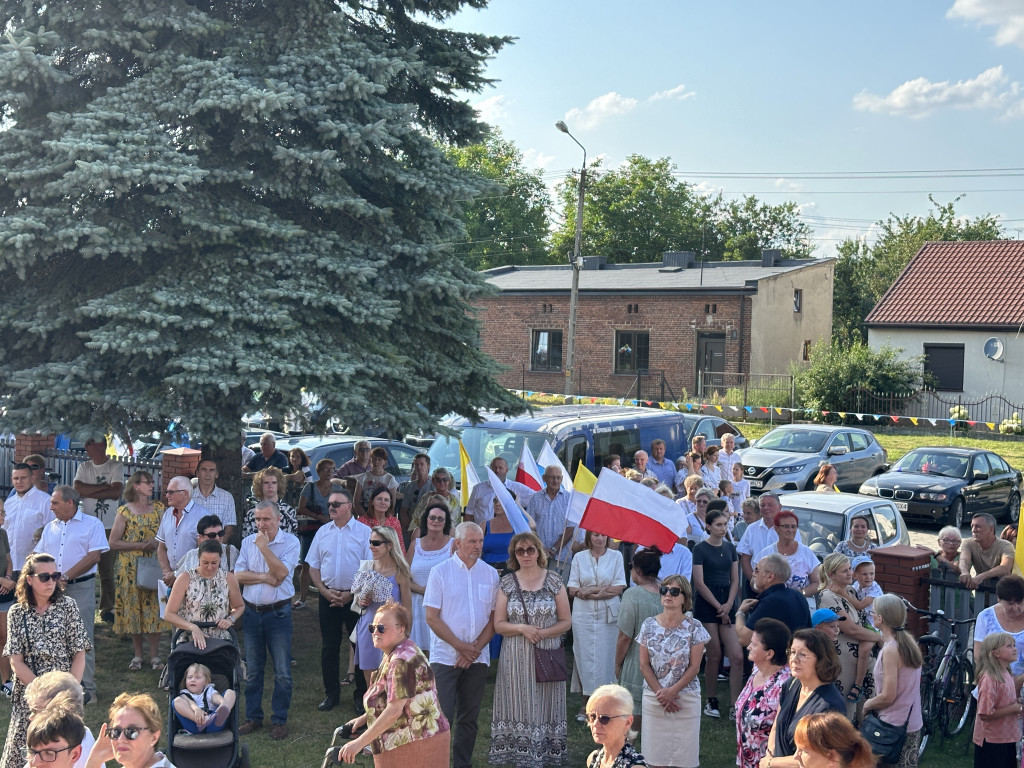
[756, 483]
[901, 505]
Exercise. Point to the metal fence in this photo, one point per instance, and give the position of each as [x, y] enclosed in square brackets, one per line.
[65, 464]
[775, 390]
[957, 602]
[928, 404]
[6, 460]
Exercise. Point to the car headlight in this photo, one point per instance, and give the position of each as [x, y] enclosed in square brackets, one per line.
[790, 470]
[928, 496]
[868, 490]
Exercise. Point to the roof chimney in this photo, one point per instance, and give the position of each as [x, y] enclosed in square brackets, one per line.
[684, 259]
[770, 257]
[594, 262]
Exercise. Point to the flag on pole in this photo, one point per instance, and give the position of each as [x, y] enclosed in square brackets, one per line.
[582, 487]
[528, 473]
[633, 512]
[515, 515]
[467, 475]
[547, 458]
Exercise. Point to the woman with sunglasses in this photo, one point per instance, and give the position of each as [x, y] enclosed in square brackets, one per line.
[671, 648]
[133, 536]
[528, 726]
[442, 482]
[610, 714]
[390, 566]
[131, 735]
[432, 546]
[382, 512]
[205, 593]
[45, 632]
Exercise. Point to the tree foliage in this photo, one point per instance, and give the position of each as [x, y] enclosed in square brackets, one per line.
[208, 208]
[508, 222]
[864, 274]
[824, 384]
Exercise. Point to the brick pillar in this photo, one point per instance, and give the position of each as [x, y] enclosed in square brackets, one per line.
[178, 461]
[26, 444]
[900, 570]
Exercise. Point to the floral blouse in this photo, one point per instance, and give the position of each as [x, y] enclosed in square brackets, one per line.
[404, 674]
[627, 757]
[846, 548]
[669, 649]
[756, 709]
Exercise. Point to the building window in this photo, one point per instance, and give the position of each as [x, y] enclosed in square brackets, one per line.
[805, 352]
[798, 300]
[546, 351]
[945, 364]
[632, 351]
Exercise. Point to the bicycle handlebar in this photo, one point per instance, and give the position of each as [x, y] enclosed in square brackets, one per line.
[938, 615]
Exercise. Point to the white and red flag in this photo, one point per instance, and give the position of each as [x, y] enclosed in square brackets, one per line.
[528, 473]
[633, 512]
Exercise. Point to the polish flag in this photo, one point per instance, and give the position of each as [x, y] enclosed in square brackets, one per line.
[633, 512]
[528, 473]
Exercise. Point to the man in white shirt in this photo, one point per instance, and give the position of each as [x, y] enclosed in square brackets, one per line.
[264, 571]
[758, 536]
[459, 601]
[480, 507]
[334, 558]
[727, 456]
[216, 500]
[76, 541]
[99, 482]
[28, 510]
[177, 532]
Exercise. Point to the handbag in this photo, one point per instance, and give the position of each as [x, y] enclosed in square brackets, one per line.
[147, 572]
[549, 665]
[886, 739]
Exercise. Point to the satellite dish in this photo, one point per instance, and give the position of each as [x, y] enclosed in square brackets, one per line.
[994, 349]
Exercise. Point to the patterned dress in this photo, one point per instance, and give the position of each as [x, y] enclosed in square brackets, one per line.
[46, 641]
[847, 649]
[205, 600]
[289, 520]
[136, 610]
[528, 727]
[756, 709]
[627, 757]
[638, 605]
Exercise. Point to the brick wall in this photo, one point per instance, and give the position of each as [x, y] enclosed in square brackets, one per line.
[899, 570]
[178, 461]
[674, 323]
[27, 444]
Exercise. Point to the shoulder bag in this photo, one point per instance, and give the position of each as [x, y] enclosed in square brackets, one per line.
[886, 739]
[147, 572]
[549, 665]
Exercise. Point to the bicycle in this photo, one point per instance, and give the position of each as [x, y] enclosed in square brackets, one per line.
[947, 679]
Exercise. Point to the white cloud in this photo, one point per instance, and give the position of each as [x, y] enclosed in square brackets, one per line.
[678, 93]
[920, 97]
[491, 109]
[1006, 15]
[598, 110]
[533, 158]
[785, 185]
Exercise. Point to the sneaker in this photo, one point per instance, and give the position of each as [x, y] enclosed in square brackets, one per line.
[723, 677]
[7, 689]
[711, 708]
[732, 713]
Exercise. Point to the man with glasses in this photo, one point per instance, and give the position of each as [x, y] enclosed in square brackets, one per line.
[459, 601]
[55, 736]
[264, 571]
[216, 500]
[209, 528]
[76, 541]
[28, 510]
[333, 559]
[99, 481]
[774, 600]
[177, 532]
[758, 536]
[359, 464]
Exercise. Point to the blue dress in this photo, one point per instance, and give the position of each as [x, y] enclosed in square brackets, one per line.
[496, 547]
[368, 657]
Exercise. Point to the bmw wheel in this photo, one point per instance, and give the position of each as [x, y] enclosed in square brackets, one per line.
[956, 513]
[1013, 509]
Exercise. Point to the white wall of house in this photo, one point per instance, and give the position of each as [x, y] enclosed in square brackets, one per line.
[777, 331]
[982, 376]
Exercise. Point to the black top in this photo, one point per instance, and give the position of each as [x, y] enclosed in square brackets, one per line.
[825, 699]
[782, 603]
[717, 562]
[277, 459]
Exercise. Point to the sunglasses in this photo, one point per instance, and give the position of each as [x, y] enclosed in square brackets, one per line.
[214, 535]
[436, 518]
[377, 542]
[45, 755]
[602, 719]
[45, 577]
[526, 551]
[378, 629]
[674, 591]
[131, 732]
[338, 504]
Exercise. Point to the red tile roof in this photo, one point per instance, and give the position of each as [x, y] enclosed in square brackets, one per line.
[961, 284]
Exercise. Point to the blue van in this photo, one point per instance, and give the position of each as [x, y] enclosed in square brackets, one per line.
[578, 434]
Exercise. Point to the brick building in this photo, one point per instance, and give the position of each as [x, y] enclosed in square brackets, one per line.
[727, 319]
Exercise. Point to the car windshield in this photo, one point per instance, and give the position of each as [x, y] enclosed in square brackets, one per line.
[794, 440]
[820, 530]
[482, 445]
[928, 462]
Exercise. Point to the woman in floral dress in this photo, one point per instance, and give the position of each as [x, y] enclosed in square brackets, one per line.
[205, 594]
[403, 724]
[758, 703]
[136, 610]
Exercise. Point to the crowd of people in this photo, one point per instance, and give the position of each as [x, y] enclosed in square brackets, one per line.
[424, 596]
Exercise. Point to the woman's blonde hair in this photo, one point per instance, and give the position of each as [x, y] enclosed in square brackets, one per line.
[401, 564]
[987, 665]
[829, 566]
[143, 704]
[827, 732]
[891, 610]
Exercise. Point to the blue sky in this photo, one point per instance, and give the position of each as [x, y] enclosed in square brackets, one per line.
[780, 89]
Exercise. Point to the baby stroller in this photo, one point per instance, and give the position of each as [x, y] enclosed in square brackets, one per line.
[205, 750]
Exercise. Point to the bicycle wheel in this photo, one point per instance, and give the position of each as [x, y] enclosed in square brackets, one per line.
[957, 701]
[928, 707]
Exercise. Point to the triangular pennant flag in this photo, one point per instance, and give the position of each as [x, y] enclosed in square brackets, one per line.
[719, 408]
[763, 409]
[842, 414]
[748, 409]
[913, 420]
[895, 419]
[990, 425]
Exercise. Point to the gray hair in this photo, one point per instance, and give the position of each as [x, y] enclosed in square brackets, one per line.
[272, 505]
[463, 528]
[269, 437]
[622, 698]
[665, 491]
[181, 482]
[777, 565]
[705, 492]
[751, 502]
[48, 685]
[68, 493]
[986, 517]
[635, 455]
[948, 529]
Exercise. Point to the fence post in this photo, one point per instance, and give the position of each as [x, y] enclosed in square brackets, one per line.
[26, 444]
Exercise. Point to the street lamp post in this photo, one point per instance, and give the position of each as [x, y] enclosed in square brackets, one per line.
[577, 265]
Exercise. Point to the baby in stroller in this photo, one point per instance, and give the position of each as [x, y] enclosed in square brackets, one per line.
[200, 709]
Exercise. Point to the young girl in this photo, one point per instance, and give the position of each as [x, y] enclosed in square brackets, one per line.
[200, 708]
[740, 488]
[997, 728]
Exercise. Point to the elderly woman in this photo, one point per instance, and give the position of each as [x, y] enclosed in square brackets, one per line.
[803, 563]
[609, 712]
[671, 649]
[382, 512]
[311, 515]
[814, 666]
[431, 547]
[267, 485]
[825, 480]
[829, 739]
[858, 543]
[131, 734]
[758, 703]
[596, 581]
[947, 557]
[1007, 615]
[46, 632]
[442, 482]
[403, 724]
[136, 610]
[56, 685]
[528, 726]
[207, 594]
[372, 479]
[639, 603]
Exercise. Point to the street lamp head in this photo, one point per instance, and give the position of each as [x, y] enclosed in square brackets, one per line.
[560, 125]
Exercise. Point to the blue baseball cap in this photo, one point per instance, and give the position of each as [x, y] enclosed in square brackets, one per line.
[824, 616]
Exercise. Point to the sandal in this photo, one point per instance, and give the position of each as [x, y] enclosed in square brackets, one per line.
[135, 664]
[298, 605]
[349, 679]
[156, 663]
[855, 694]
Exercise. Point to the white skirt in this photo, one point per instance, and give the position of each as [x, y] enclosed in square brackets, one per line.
[671, 738]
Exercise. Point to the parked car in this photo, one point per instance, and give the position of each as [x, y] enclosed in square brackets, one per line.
[789, 457]
[825, 519]
[339, 450]
[949, 485]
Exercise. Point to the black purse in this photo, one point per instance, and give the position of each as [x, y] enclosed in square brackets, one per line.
[886, 739]
[549, 665]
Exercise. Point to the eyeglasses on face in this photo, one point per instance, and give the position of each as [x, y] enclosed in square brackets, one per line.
[45, 577]
[436, 518]
[378, 629]
[377, 543]
[339, 504]
[789, 527]
[175, 490]
[799, 655]
[526, 551]
[674, 591]
[131, 732]
[214, 535]
[45, 755]
[602, 719]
